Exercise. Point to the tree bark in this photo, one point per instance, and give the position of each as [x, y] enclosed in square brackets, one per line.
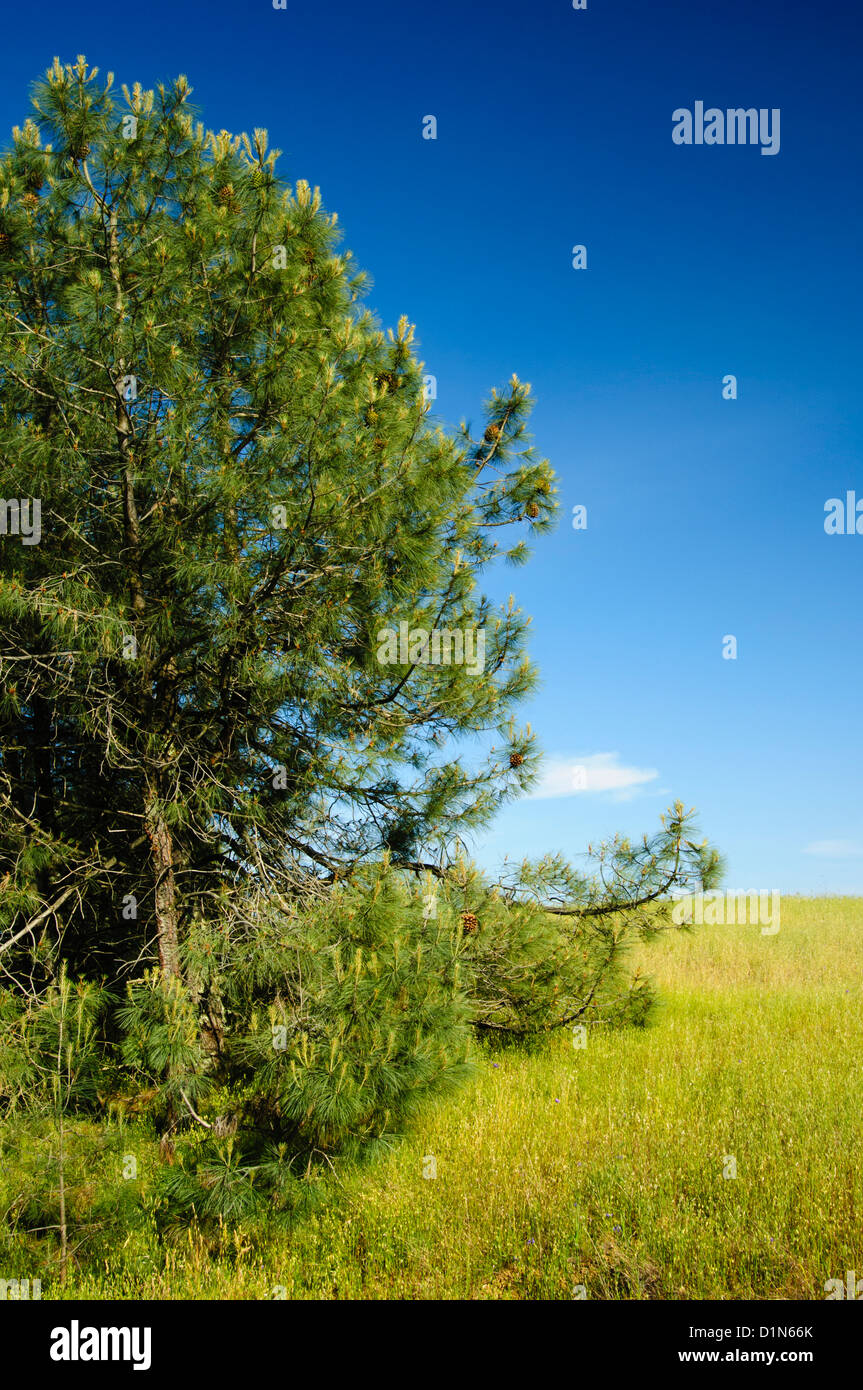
[162, 849]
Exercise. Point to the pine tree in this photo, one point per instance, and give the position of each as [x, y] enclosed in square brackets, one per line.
[242, 492]
[234, 662]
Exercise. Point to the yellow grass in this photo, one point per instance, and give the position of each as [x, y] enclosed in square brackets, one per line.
[599, 1172]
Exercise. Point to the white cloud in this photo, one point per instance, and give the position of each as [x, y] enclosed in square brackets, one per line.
[836, 849]
[598, 772]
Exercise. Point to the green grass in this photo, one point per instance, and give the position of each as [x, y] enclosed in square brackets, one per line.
[600, 1167]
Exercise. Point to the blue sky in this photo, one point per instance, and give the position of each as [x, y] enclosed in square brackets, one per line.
[705, 516]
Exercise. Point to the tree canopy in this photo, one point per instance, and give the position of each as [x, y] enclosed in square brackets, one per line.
[241, 487]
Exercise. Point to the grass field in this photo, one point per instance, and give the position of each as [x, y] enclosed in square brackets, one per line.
[600, 1169]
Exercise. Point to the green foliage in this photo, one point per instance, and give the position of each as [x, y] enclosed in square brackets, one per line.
[50, 1055]
[160, 1041]
[52, 1051]
[101, 1209]
[355, 1013]
[220, 1187]
[241, 486]
[225, 789]
[551, 945]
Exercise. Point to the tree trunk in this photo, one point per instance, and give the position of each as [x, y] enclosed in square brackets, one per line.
[212, 1025]
[162, 848]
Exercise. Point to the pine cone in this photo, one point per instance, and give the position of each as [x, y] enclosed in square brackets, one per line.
[515, 759]
[532, 509]
[225, 196]
[492, 433]
[30, 201]
[469, 923]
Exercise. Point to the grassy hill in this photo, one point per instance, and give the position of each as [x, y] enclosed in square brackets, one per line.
[564, 1171]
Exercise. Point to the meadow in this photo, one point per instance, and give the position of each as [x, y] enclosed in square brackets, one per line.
[715, 1153]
